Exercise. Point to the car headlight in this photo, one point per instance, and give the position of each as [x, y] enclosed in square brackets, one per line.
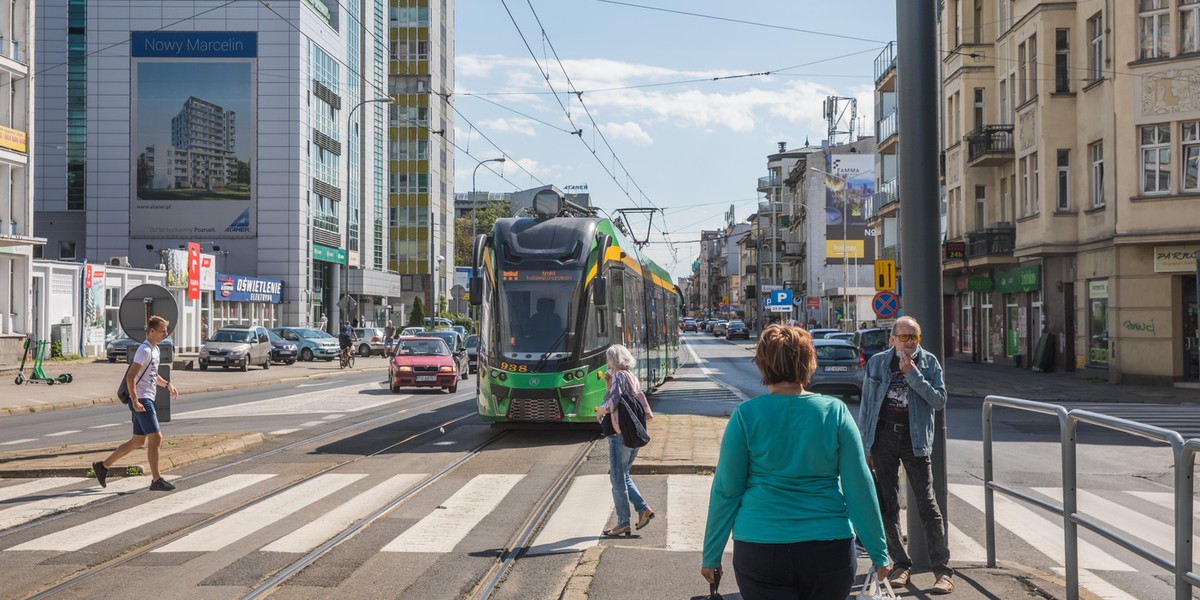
[404, 369]
[446, 369]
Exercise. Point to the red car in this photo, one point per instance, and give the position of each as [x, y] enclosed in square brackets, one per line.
[422, 362]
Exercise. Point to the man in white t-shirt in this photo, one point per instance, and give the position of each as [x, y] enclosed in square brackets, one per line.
[142, 377]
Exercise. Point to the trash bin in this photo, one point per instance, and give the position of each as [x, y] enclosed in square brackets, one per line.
[162, 396]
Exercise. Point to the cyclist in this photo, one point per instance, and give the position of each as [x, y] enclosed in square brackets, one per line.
[346, 339]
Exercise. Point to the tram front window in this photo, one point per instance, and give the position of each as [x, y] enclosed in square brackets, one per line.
[534, 319]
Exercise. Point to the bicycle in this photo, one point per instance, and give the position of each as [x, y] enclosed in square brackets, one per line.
[347, 359]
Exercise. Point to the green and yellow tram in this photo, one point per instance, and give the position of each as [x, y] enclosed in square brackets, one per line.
[554, 292]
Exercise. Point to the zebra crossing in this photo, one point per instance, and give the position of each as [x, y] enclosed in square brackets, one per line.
[572, 526]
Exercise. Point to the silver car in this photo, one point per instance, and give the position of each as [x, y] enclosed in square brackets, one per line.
[840, 369]
[370, 341]
[237, 346]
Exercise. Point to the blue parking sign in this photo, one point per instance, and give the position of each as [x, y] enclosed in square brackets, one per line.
[780, 298]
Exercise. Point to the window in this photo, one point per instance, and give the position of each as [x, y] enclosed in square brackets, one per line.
[66, 250]
[1098, 322]
[1005, 13]
[1030, 203]
[1033, 66]
[1063, 181]
[1154, 30]
[1189, 26]
[1004, 198]
[978, 108]
[1095, 27]
[1004, 116]
[980, 206]
[1022, 74]
[1062, 60]
[1096, 152]
[1190, 132]
[1156, 158]
[1035, 194]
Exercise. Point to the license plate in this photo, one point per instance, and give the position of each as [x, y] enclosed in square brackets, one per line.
[426, 377]
[216, 359]
[837, 369]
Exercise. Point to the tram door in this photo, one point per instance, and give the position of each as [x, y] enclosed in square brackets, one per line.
[1191, 351]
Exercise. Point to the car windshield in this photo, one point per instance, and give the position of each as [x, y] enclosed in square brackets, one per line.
[447, 336]
[236, 336]
[472, 341]
[836, 353]
[422, 348]
[874, 338]
[274, 337]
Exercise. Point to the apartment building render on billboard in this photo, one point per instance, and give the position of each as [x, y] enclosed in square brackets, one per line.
[202, 135]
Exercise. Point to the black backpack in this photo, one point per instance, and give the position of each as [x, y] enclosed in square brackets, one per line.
[122, 390]
[632, 417]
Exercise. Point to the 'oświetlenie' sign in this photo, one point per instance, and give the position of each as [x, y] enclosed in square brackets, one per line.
[240, 288]
[194, 44]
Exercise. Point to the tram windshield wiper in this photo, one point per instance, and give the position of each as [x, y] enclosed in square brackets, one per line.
[542, 361]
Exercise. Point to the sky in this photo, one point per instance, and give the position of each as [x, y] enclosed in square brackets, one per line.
[654, 129]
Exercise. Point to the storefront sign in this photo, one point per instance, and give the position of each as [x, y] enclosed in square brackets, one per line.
[954, 250]
[1020, 279]
[13, 139]
[980, 283]
[208, 272]
[327, 254]
[1175, 259]
[239, 288]
[1098, 289]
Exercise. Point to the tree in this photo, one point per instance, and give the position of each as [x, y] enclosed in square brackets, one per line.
[416, 317]
[484, 219]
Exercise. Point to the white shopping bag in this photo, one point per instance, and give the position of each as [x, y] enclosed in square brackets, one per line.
[874, 589]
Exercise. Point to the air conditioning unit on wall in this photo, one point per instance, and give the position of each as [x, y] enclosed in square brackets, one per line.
[119, 261]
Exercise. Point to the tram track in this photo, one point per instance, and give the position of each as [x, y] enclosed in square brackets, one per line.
[132, 554]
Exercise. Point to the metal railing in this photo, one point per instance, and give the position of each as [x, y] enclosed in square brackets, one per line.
[885, 61]
[885, 128]
[1068, 424]
[770, 181]
[989, 140]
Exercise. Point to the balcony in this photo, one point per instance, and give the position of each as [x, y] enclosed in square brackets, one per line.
[885, 130]
[888, 194]
[769, 183]
[794, 252]
[990, 145]
[770, 207]
[885, 68]
[997, 240]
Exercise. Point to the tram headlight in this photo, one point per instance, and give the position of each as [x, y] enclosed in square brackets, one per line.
[579, 374]
[503, 376]
[569, 376]
[495, 374]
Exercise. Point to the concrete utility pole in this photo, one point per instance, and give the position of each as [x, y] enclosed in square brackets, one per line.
[916, 96]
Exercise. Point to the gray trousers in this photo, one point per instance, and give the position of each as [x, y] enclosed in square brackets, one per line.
[891, 449]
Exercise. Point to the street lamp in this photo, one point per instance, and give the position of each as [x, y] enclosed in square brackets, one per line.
[335, 311]
[474, 201]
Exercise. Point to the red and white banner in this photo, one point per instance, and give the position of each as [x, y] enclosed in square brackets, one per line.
[193, 271]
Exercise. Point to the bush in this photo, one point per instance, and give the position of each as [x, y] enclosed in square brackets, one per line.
[56, 349]
[416, 317]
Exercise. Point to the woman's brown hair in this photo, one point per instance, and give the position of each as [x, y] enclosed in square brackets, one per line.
[785, 355]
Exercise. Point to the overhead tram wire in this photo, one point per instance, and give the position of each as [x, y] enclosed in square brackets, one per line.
[506, 155]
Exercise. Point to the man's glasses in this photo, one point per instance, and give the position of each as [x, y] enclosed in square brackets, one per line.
[908, 337]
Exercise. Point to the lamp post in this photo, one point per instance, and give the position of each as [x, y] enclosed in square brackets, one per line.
[474, 201]
[335, 310]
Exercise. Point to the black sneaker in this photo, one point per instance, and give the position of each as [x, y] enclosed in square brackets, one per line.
[161, 485]
[101, 473]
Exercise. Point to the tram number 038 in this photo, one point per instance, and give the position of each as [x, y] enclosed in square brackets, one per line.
[515, 368]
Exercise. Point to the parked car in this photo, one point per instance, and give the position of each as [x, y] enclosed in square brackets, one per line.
[709, 324]
[423, 362]
[282, 350]
[872, 340]
[311, 342]
[370, 341]
[840, 369]
[737, 329]
[411, 331]
[237, 346]
[119, 348]
[719, 328]
[456, 344]
[460, 329]
[820, 333]
[472, 344]
[438, 322]
[688, 325]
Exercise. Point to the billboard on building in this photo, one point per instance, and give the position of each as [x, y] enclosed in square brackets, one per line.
[849, 186]
[93, 305]
[194, 131]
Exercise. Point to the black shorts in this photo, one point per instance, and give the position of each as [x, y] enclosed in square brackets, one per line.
[344, 341]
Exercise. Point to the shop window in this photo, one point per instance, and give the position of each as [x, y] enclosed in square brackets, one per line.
[1012, 326]
[1098, 322]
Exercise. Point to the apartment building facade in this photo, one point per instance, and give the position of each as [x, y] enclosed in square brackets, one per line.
[17, 234]
[1072, 145]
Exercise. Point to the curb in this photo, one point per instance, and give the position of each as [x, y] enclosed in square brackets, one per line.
[168, 460]
[577, 584]
[21, 410]
[673, 469]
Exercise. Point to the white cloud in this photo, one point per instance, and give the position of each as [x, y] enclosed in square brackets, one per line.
[626, 131]
[514, 125]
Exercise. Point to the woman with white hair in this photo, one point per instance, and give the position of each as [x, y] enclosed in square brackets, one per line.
[620, 457]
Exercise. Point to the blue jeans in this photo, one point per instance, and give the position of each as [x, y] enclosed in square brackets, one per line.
[620, 459]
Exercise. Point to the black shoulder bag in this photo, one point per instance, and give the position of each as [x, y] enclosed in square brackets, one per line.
[123, 390]
[632, 417]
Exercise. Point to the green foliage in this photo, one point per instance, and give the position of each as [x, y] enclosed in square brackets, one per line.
[416, 317]
[56, 349]
[484, 219]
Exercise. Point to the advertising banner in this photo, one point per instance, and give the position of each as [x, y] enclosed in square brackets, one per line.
[177, 268]
[849, 186]
[193, 258]
[93, 305]
[208, 272]
[194, 132]
[13, 139]
[239, 288]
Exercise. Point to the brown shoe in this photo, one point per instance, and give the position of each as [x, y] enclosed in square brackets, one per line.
[644, 518]
[944, 585]
[899, 576]
[618, 531]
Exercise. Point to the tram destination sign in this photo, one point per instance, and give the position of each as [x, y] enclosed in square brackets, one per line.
[542, 275]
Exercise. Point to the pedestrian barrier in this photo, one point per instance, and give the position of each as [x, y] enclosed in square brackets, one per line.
[1068, 422]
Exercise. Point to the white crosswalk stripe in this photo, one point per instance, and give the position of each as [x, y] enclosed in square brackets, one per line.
[687, 511]
[251, 519]
[82, 536]
[24, 513]
[38, 485]
[1121, 518]
[449, 523]
[349, 399]
[333, 522]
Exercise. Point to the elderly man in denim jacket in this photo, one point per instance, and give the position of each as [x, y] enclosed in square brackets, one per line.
[902, 389]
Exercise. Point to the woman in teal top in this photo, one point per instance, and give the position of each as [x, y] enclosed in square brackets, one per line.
[792, 484]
